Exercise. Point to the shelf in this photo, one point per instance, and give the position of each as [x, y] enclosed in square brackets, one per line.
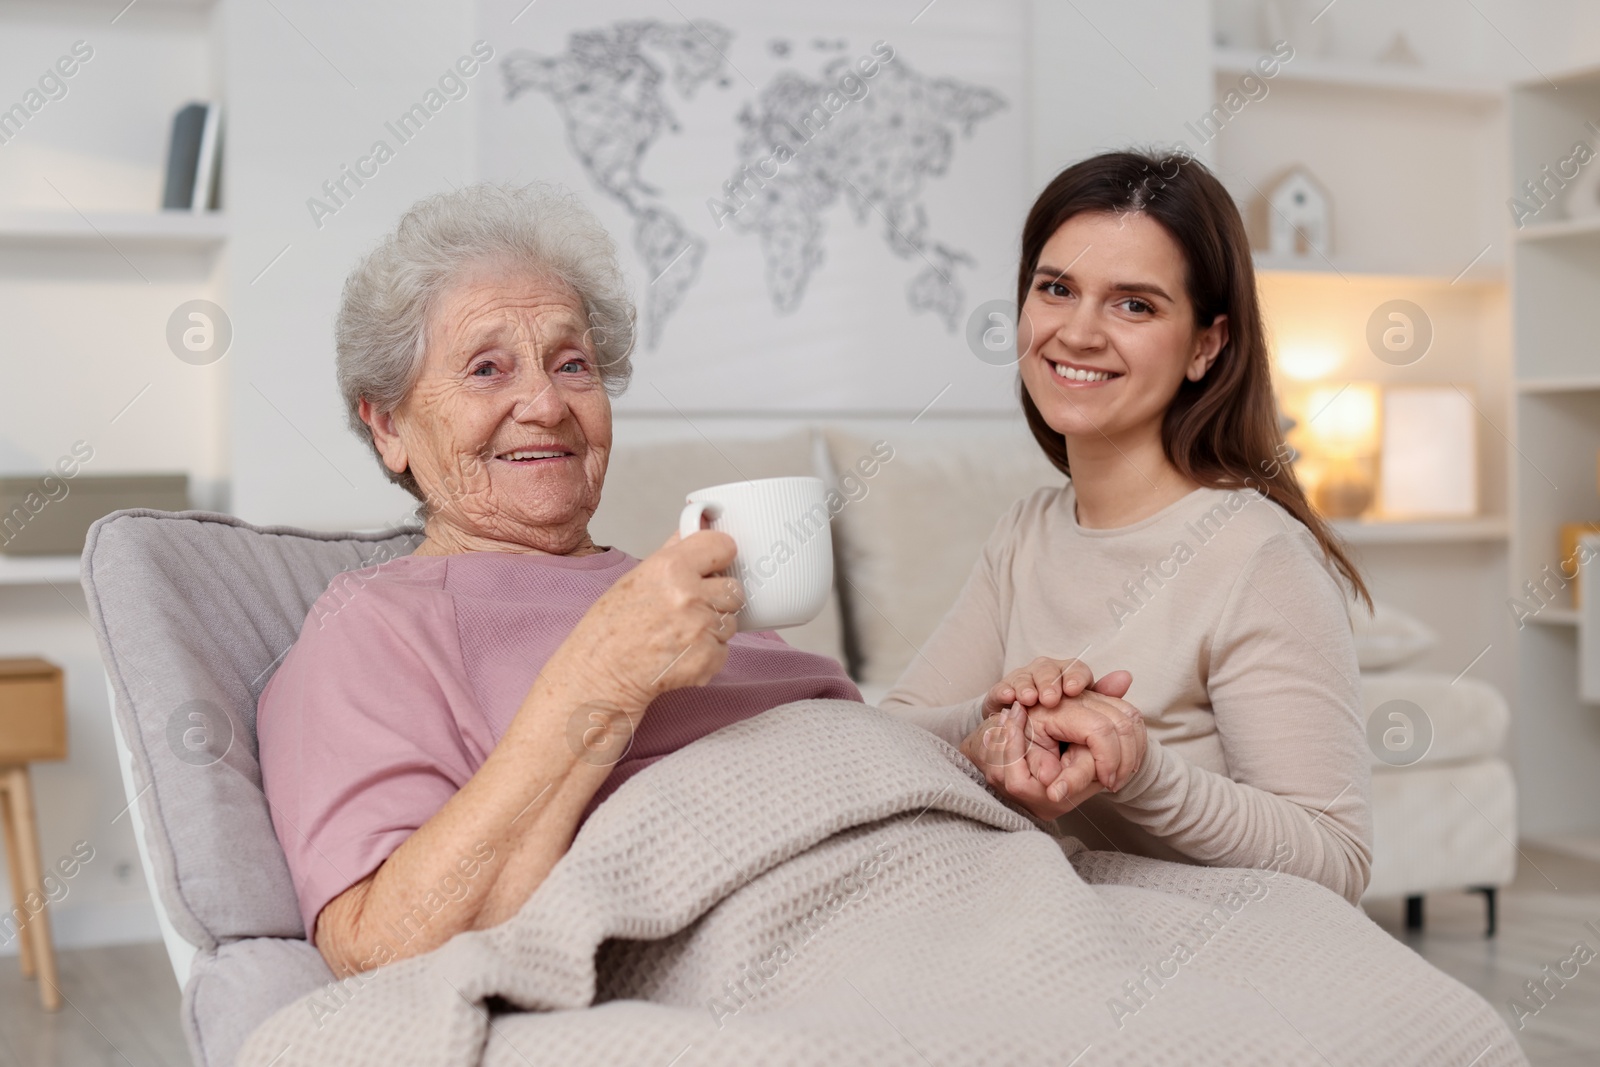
[1380, 532]
[171, 230]
[1420, 81]
[1555, 617]
[1559, 385]
[1582, 77]
[1562, 228]
[1480, 273]
[38, 570]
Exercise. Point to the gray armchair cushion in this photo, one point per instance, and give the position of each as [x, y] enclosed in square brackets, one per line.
[193, 611]
[232, 991]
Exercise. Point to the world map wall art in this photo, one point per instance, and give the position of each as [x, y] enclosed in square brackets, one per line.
[808, 205]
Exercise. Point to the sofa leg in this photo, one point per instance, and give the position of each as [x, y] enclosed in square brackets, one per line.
[1414, 912]
[1490, 896]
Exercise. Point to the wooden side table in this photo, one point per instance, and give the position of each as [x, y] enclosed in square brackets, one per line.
[33, 726]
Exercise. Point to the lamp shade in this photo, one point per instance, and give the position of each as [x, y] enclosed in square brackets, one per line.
[1342, 421]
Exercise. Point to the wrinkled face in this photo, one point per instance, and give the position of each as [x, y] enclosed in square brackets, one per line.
[1113, 330]
[508, 428]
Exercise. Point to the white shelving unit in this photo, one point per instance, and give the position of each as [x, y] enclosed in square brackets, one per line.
[1556, 274]
[1484, 272]
[167, 229]
[1371, 77]
[1353, 123]
[1560, 229]
[1488, 529]
[38, 570]
[1414, 162]
[1559, 385]
[1556, 617]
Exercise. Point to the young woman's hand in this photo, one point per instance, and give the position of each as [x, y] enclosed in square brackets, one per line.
[1014, 767]
[1105, 740]
[1047, 682]
[1022, 756]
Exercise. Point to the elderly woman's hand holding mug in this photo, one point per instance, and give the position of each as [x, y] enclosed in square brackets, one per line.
[664, 625]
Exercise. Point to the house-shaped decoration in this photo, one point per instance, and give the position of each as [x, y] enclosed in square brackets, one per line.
[1298, 220]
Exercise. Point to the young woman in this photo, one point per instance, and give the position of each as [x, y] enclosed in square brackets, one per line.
[1181, 549]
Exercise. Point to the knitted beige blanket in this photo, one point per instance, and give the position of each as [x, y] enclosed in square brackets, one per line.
[824, 884]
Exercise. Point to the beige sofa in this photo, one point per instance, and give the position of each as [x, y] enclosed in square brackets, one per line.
[907, 536]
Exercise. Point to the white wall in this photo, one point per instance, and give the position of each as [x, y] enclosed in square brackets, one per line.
[1111, 74]
[301, 107]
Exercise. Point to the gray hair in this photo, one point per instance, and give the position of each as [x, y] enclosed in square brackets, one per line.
[381, 331]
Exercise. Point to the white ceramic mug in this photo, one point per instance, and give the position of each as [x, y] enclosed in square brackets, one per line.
[785, 545]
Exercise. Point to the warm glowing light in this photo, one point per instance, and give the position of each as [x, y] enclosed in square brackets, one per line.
[1308, 361]
[1342, 421]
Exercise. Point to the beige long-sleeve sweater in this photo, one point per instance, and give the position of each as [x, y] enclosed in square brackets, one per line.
[1233, 624]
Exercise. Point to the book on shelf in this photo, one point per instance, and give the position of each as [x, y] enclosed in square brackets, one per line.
[194, 158]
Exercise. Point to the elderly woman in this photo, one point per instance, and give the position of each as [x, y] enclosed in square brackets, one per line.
[431, 744]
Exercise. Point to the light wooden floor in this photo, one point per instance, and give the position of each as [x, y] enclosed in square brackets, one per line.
[1542, 916]
[122, 1008]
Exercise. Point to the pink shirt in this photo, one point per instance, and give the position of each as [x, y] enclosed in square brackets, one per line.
[407, 674]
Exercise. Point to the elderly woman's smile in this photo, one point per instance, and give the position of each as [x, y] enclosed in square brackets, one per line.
[508, 427]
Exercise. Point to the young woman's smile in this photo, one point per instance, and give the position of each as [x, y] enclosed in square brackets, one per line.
[1079, 376]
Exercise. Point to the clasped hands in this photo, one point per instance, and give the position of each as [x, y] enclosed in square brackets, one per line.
[1052, 737]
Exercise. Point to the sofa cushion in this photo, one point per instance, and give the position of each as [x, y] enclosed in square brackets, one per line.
[908, 543]
[645, 489]
[234, 989]
[1388, 637]
[1460, 719]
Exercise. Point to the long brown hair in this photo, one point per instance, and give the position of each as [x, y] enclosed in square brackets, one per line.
[1221, 432]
